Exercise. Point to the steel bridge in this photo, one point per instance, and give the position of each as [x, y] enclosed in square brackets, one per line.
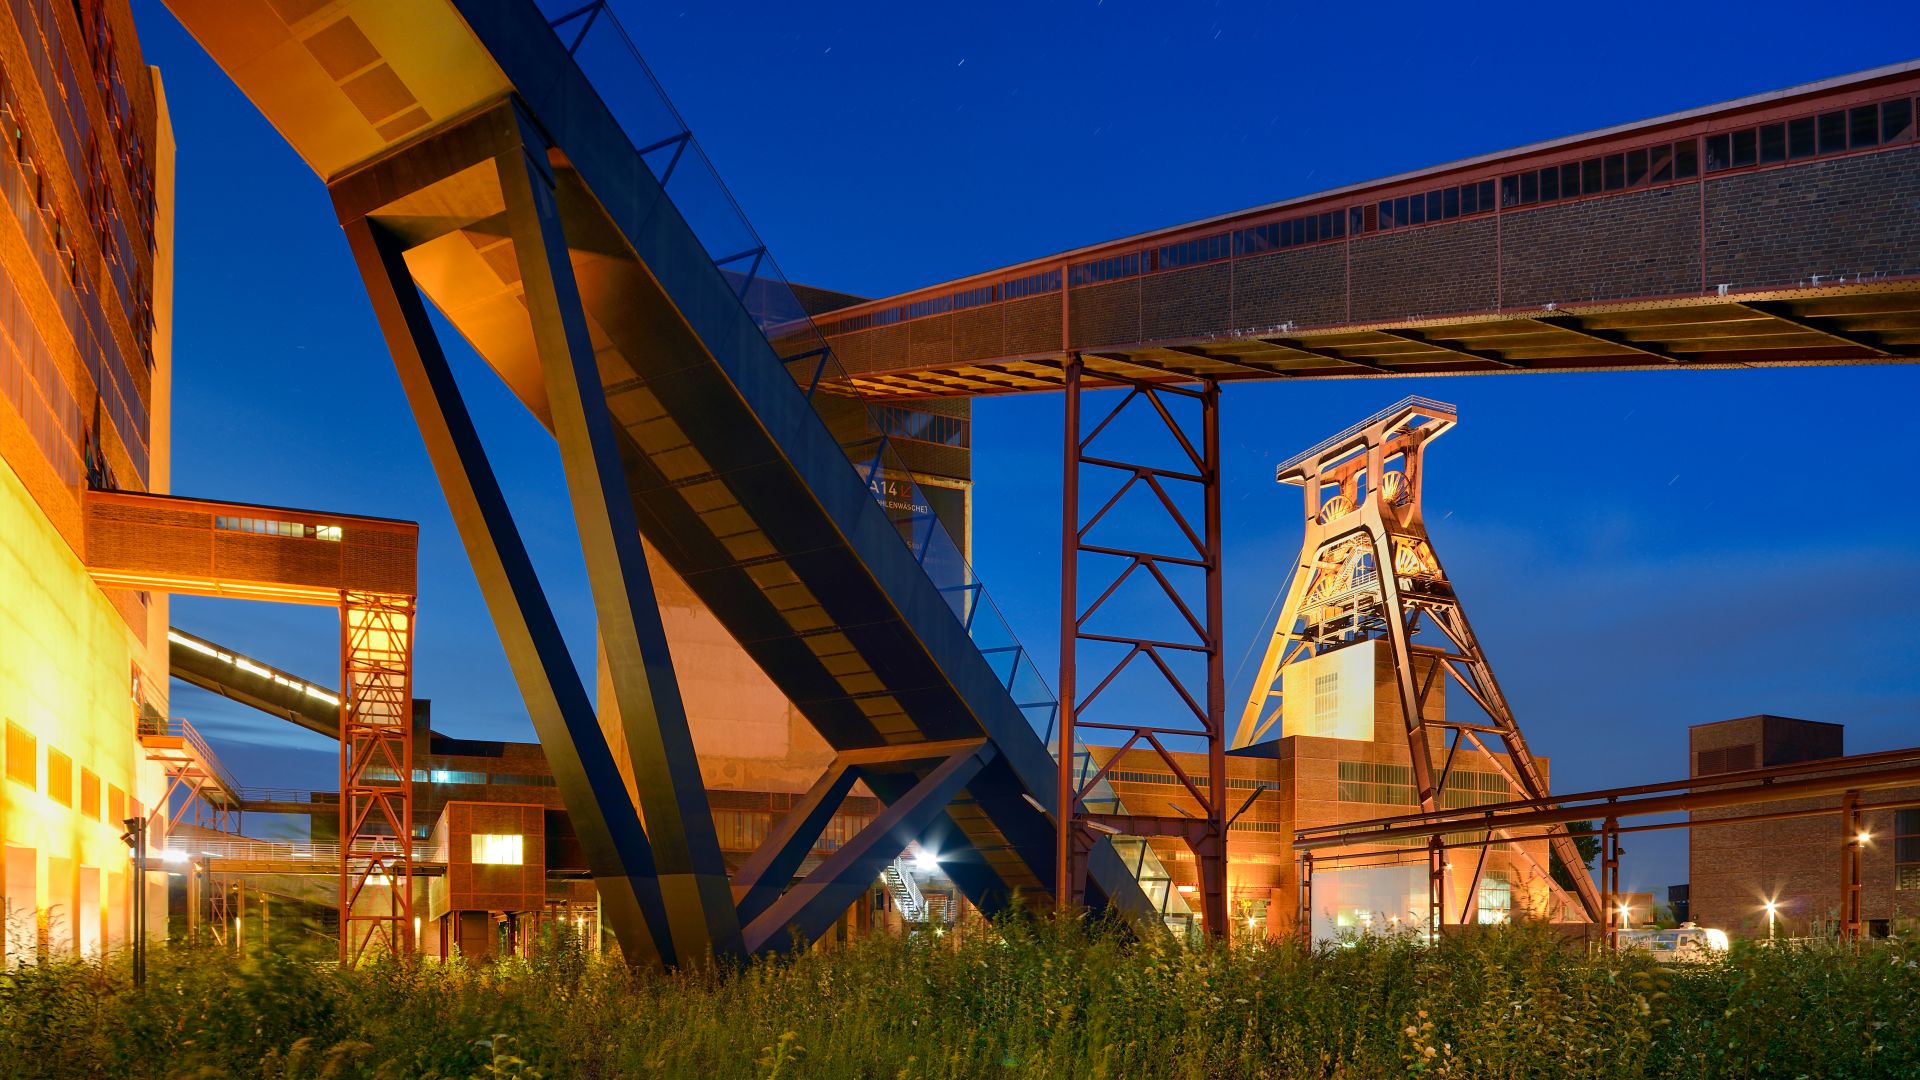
[570, 228]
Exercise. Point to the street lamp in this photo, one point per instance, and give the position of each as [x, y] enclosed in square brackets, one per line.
[1773, 909]
[136, 840]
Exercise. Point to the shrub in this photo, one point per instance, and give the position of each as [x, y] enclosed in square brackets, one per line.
[1022, 998]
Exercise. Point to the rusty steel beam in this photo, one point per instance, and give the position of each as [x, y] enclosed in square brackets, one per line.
[1548, 811]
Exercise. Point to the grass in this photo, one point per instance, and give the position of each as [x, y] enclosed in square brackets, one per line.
[1021, 999]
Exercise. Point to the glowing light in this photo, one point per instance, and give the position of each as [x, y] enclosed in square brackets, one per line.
[173, 856]
[1864, 837]
[1188, 888]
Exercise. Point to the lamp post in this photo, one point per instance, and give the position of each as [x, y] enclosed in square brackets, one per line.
[1773, 909]
[136, 839]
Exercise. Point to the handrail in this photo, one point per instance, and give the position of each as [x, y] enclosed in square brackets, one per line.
[179, 728]
[725, 233]
[1411, 402]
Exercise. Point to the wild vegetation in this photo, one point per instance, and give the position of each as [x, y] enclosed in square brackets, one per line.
[1019, 999]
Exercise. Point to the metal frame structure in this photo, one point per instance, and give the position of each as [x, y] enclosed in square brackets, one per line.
[1368, 572]
[1850, 778]
[366, 570]
[206, 793]
[376, 772]
[1200, 715]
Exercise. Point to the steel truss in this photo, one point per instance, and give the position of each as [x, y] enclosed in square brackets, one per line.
[1368, 571]
[1201, 714]
[376, 774]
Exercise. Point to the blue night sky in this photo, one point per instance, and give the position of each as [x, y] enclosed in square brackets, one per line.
[1638, 552]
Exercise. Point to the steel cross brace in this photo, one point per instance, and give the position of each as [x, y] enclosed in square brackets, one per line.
[806, 910]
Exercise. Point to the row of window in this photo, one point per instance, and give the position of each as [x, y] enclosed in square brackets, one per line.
[898, 423]
[23, 767]
[1845, 130]
[465, 776]
[1836, 132]
[1379, 782]
[32, 383]
[30, 199]
[53, 66]
[1125, 776]
[292, 529]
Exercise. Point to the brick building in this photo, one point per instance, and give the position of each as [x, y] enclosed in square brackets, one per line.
[1794, 863]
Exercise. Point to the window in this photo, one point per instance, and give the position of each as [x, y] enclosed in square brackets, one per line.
[116, 805]
[1896, 120]
[523, 780]
[1863, 127]
[1372, 782]
[292, 529]
[498, 849]
[1906, 849]
[1496, 897]
[1194, 252]
[89, 794]
[1773, 143]
[23, 756]
[1800, 138]
[1743, 148]
[1833, 132]
[456, 776]
[1326, 694]
[59, 777]
[1466, 788]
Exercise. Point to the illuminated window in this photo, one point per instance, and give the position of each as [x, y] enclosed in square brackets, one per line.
[1326, 694]
[498, 849]
[89, 794]
[59, 777]
[23, 756]
[116, 804]
[1496, 897]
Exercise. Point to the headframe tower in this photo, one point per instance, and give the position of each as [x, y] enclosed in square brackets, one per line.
[1368, 573]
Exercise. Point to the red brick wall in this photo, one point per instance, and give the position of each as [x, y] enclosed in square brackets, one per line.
[1852, 215]
[1424, 271]
[1306, 286]
[1643, 243]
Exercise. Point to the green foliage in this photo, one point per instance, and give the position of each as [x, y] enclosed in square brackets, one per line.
[1023, 998]
[1586, 840]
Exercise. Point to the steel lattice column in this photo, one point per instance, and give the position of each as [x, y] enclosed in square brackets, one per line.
[1202, 717]
[376, 773]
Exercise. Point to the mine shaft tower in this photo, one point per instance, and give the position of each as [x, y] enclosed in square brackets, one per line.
[1368, 572]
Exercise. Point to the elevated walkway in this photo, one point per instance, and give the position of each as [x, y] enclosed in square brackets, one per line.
[584, 247]
[250, 682]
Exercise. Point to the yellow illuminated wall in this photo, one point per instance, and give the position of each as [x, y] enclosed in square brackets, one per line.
[66, 661]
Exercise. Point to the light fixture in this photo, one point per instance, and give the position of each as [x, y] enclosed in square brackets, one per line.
[1865, 837]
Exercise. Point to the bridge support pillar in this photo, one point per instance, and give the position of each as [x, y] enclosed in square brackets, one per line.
[694, 889]
[615, 845]
[1164, 690]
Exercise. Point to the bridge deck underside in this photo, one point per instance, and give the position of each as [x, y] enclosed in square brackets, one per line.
[1865, 323]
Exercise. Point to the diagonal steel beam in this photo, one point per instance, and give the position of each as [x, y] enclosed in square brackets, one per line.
[811, 906]
[1779, 309]
[1571, 324]
[646, 695]
[1431, 341]
[765, 874]
[1325, 354]
[610, 834]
